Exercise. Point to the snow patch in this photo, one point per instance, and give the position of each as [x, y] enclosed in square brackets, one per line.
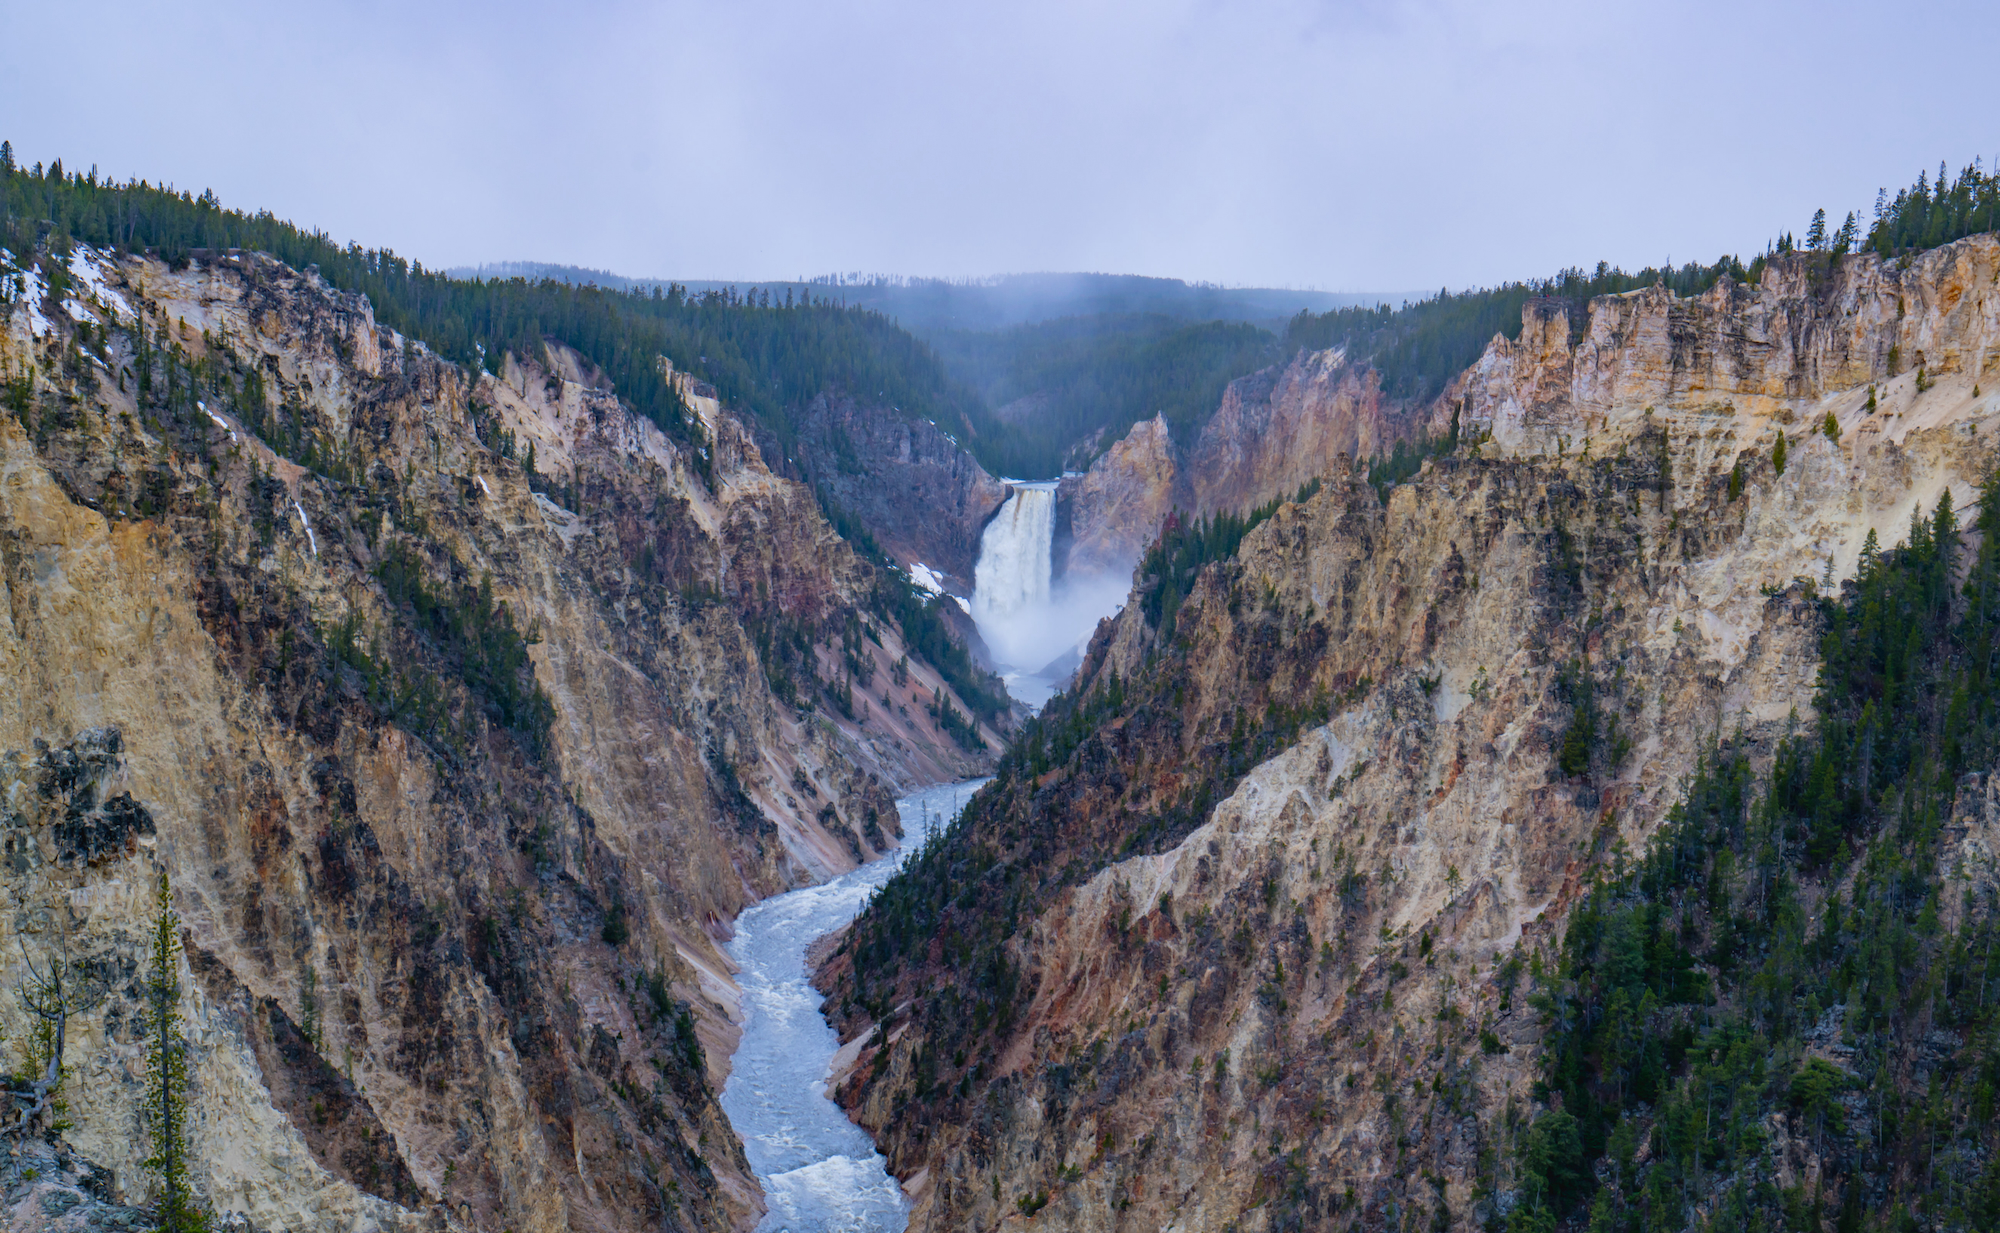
[482, 485]
[224, 426]
[38, 325]
[931, 583]
[927, 578]
[86, 266]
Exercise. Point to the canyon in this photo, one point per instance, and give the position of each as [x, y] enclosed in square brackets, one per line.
[1236, 941]
[469, 711]
[450, 702]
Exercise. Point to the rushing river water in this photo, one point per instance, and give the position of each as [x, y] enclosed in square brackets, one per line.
[820, 1172]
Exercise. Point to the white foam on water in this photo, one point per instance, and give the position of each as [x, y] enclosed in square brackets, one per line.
[820, 1172]
[1035, 624]
[838, 1195]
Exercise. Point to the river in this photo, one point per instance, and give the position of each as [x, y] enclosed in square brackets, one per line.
[820, 1172]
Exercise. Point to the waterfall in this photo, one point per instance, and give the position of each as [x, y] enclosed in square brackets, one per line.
[1011, 579]
[1035, 627]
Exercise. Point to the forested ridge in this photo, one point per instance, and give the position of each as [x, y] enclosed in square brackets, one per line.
[765, 357]
[1092, 378]
[1421, 346]
[768, 354]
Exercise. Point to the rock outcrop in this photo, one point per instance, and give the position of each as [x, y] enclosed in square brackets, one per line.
[459, 771]
[1233, 944]
[920, 493]
[1813, 335]
[1274, 431]
[1113, 510]
[1282, 427]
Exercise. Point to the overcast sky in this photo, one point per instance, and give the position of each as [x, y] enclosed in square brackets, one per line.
[1345, 145]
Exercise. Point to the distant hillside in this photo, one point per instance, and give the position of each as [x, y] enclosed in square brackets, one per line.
[925, 306]
[1075, 358]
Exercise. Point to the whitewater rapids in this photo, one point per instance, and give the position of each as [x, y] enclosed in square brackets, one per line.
[820, 1172]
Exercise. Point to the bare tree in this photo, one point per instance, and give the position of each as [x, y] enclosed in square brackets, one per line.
[51, 994]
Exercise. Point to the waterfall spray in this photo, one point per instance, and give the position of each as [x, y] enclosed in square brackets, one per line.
[1034, 626]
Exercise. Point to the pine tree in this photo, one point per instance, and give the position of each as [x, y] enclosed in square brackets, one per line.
[6, 157]
[1816, 234]
[167, 1074]
[1778, 454]
[1850, 231]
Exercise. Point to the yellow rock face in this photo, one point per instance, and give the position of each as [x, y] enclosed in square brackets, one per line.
[408, 989]
[1272, 1013]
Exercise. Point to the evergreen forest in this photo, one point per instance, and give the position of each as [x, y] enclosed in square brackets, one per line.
[1801, 941]
[1069, 388]
[764, 356]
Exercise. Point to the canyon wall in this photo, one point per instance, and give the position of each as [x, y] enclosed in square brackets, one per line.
[1112, 511]
[1740, 357]
[1235, 947]
[920, 493]
[1274, 431]
[458, 771]
[1282, 427]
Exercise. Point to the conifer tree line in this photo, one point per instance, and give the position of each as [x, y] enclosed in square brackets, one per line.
[1421, 346]
[770, 356]
[767, 357]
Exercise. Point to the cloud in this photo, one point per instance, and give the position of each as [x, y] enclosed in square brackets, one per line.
[1345, 145]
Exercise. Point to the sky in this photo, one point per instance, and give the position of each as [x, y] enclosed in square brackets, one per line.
[1345, 145]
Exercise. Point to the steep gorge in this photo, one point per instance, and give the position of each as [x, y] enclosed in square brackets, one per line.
[459, 770]
[1236, 938]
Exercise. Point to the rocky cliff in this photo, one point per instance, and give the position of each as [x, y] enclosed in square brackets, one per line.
[1810, 330]
[1236, 939]
[459, 770]
[1112, 511]
[922, 496]
[1274, 431]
